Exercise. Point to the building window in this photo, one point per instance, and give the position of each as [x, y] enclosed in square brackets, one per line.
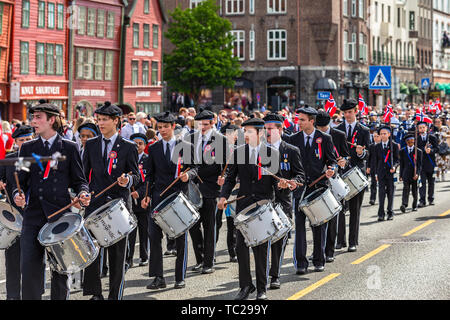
[101, 23]
[145, 73]
[389, 14]
[399, 17]
[345, 45]
[194, 3]
[50, 59]
[234, 7]
[40, 56]
[135, 35]
[361, 8]
[362, 47]
[41, 14]
[89, 65]
[252, 45]
[109, 64]
[376, 11]
[60, 24]
[412, 21]
[1, 18]
[110, 25]
[148, 107]
[80, 63]
[277, 42]
[51, 16]
[91, 22]
[239, 44]
[25, 14]
[155, 36]
[352, 48]
[276, 6]
[134, 72]
[146, 36]
[155, 73]
[99, 54]
[59, 59]
[146, 6]
[82, 20]
[24, 49]
[345, 7]
[353, 8]
[251, 6]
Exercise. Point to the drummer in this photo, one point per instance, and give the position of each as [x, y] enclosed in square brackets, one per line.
[341, 150]
[119, 158]
[291, 169]
[163, 166]
[7, 183]
[319, 157]
[255, 185]
[48, 192]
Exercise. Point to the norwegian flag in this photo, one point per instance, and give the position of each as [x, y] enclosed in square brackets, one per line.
[432, 107]
[330, 106]
[438, 106]
[296, 118]
[422, 117]
[362, 106]
[2, 143]
[287, 123]
[388, 113]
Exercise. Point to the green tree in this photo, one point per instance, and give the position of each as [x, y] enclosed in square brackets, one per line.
[203, 54]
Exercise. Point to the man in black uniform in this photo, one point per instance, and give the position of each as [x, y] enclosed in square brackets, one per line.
[7, 183]
[318, 153]
[341, 150]
[291, 169]
[167, 159]
[141, 214]
[386, 161]
[210, 150]
[428, 143]
[370, 169]
[409, 176]
[48, 192]
[119, 158]
[255, 185]
[359, 137]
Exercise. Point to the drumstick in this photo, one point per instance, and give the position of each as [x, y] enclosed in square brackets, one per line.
[198, 176]
[109, 187]
[226, 165]
[175, 181]
[66, 207]
[278, 178]
[16, 177]
[317, 180]
[146, 190]
[134, 199]
[237, 199]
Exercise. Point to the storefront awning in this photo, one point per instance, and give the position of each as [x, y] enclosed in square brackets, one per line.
[325, 84]
[413, 89]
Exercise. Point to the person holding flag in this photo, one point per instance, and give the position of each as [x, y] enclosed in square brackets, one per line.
[388, 113]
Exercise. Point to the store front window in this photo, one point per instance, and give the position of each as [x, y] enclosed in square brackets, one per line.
[281, 93]
[241, 96]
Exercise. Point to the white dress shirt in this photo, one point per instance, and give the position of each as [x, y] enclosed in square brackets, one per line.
[309, 135]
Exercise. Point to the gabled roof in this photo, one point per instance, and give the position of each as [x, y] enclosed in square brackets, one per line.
[130, 5]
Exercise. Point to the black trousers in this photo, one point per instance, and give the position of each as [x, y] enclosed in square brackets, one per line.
[156, 255]
[12, 268]
[32, 265]
[373, 186]
[426, 177]
[408, 186]
[341, 228]
[204, 244]
[386, 188]
[277, 254]
[231, 232]
[354, 206]
[142, 227]
[261, 255]
[332, 236]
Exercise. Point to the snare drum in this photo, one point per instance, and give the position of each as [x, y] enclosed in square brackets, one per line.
[320, 206]
[10, 225]
[111, 222]
[69, 246]
[338, 187]
[233, 196]
[175, 215]
[258, 223]
[356, 180]
[194, 195]
[286, 224]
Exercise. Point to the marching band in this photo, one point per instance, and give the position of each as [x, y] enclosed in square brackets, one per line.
[75, 201]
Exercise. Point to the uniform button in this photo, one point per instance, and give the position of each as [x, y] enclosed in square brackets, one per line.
[41, 197]
[40, 189]
[55, 180]
[54, 189]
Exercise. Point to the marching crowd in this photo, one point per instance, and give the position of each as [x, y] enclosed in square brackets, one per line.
[408, 144]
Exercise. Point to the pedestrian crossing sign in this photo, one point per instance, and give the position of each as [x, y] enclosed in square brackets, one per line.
[380, 77]
[425, 83]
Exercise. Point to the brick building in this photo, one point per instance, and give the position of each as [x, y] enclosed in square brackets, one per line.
[6, 12]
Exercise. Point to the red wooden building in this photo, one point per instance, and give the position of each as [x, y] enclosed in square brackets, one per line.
[143, 57]
[38, 55]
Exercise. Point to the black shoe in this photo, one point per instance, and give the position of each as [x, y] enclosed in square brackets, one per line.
[319, 269]
[414, 209]
[127, 266]
[168, 252]
[233, 259]
[197, 267]
[157, 283]
[104, 274]
[421, 205]
[431, 203]
[302, 271]
[403, 208]
[372, 202]
[275, 283]
[329, 259]
[352, 249]
[390, 217]
[97, 297]
[180, 284]
[143, 262]
[261, 296]
[245, 292]
[173, 252]
[380, 218]
[207, 270]
[338, 246]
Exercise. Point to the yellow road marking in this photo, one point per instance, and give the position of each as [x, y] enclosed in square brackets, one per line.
[423, 225]
[371, 254]
[445, 213]
[313, 287]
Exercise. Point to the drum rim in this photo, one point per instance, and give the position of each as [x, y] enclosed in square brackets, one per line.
[77, 230]
[252, 216]
[346, 174]
[99, 213]
[326, 220]
[17, 215]
[164, 200]
[301, 205]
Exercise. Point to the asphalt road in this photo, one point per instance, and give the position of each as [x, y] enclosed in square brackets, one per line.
[396, 264]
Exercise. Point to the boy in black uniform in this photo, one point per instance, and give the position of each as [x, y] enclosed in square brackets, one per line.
[291, 169]
[141, 214]
[119, 157]
[409, 176]
[166, 159]
[7, 183]
[318, 153]
[48, 192]
[255, 185]
[370, 169]
[386, 161]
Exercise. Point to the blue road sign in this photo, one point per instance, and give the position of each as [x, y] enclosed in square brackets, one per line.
[425, 83]
[323, 95]
[380, 77]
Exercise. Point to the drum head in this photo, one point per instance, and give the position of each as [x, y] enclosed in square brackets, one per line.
[105, 207]
[249, 211]
[194, 194]
[10, 217]
[314, 195]
[165, 202]
[61, 229]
